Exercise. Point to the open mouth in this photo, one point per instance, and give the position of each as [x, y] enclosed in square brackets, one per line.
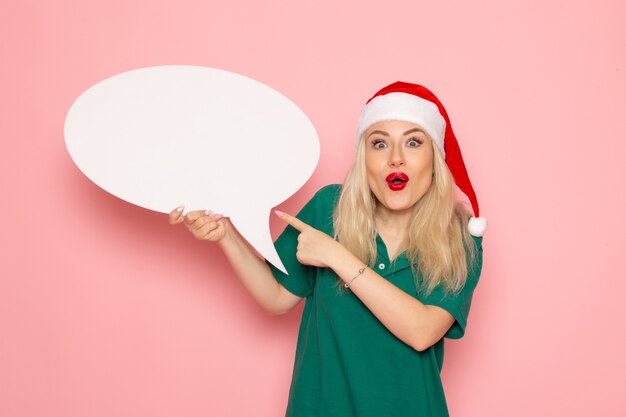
[397, 180]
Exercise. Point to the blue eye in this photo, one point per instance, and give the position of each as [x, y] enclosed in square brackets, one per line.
[414, 142]
[377, 142]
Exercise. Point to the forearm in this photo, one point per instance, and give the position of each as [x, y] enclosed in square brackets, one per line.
[252, 271]
[405, 316]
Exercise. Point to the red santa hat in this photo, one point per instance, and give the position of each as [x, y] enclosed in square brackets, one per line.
[416, 104]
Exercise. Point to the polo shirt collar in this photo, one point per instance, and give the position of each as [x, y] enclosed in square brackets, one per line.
[383, 265]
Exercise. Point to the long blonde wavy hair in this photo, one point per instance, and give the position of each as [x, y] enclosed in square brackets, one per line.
[440, 248]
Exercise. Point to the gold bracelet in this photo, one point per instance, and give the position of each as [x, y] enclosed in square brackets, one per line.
[347, 284]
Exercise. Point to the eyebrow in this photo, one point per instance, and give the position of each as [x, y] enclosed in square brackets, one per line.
[380, 132]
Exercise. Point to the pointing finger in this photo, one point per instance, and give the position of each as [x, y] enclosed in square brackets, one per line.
[294, 221]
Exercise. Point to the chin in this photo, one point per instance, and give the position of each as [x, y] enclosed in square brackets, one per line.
[395, 200]
[398, 205]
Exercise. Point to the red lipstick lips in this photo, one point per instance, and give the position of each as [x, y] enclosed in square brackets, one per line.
[397, 181]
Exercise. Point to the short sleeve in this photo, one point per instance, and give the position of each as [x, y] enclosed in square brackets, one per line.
[459, 305]
[301, 278]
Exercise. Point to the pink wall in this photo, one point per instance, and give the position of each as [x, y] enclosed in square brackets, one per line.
[106, 310]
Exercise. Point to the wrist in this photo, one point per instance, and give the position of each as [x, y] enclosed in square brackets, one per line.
[347, 283]
[229, 234]
[347, 266]
[339, 258]
[334, 255]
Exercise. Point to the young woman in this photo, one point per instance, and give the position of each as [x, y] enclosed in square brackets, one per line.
[387, 262]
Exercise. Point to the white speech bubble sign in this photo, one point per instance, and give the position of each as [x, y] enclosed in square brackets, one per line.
[163, 136]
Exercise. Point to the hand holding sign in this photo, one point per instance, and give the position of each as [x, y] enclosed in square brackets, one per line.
[163, 136]
[204, 225]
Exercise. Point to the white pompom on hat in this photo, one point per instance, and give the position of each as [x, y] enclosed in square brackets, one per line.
[416, 104]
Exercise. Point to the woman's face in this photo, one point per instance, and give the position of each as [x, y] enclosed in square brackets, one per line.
[399, 163]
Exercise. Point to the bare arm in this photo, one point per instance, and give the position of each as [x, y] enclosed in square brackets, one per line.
[252, 271]
[255, 274]
[416, 324]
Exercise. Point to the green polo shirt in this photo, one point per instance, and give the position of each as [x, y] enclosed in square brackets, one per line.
[347, 362]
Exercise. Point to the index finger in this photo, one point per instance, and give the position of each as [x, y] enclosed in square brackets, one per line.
[294, 221]
[175, 215]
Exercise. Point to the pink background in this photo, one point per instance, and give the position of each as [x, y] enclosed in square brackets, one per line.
[107, 310]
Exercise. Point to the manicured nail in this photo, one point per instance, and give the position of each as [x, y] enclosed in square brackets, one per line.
[279, 213]
[207, 212]
[218, 216]
[180, 208]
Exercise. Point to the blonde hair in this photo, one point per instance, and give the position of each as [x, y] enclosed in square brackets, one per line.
[440, 248]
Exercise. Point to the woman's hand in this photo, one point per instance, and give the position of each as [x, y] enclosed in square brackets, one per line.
[204, 225]
[314, 247]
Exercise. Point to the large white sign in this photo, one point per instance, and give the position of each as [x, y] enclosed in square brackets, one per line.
[163, 136]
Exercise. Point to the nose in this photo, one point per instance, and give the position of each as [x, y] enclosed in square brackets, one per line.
[396, 158]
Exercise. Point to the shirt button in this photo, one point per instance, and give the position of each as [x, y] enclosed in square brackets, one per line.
[381, 266]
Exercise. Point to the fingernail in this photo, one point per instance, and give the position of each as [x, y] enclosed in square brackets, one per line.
[207, 212]
[218, 216]
[279, 213]
[180, 208]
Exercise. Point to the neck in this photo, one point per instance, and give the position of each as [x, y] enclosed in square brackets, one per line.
[395, 222]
